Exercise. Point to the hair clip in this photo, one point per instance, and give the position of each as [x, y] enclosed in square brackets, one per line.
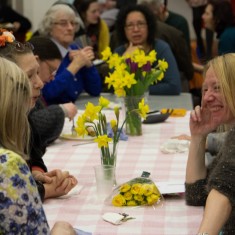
[6, 36]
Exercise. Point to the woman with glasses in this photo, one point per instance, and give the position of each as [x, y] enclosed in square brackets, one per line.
[136, 29]
[21, 208]
[76, 72]
[56, 182]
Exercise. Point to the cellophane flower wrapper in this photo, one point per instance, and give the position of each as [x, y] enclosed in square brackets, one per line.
[140, 191]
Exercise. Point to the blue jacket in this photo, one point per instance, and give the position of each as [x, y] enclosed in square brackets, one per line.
[227, 41]
[66, 87]
[171, 83]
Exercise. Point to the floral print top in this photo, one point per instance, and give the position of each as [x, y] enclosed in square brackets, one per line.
[21, 210]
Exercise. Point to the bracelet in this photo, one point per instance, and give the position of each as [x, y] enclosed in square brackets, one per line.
[203, 234]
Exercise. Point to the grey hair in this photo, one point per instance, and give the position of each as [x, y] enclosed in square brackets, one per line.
[45, 27]
[155, 2]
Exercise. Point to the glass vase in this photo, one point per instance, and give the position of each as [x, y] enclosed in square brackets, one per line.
[133, 119]
[109, 157]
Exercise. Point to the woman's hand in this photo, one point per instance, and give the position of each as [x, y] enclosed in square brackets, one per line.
[131, 48]
[61, 184]
[201, 122]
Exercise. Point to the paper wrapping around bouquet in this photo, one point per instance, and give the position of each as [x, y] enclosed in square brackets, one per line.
[139, 191]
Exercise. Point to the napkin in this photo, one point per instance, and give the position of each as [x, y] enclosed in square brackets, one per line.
[123, 135]
[73, 192]
[113, 218]
[175, 146]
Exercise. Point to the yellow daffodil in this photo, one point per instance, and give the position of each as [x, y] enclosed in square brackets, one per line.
[118, 200]
[103, 140]
[153, 198]
[124, 188]
[113, 123]
[131, 203]
[91, 112]
[81, 128]
[163, 65]
[138, 198]
[103, 102]
[128, 196]
[143, 109]
[135, 189]
[106, 53]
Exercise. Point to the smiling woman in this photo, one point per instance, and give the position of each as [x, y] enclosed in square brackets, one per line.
[213, 186]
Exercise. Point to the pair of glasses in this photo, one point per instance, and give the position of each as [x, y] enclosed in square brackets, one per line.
[21, 47]
[65, 23]
[139, 25]
[51, 69]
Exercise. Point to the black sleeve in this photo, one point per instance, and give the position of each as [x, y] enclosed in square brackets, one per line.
[48, 121]
[41, 190]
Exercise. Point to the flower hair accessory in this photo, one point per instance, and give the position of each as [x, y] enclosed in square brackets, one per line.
[6, 36]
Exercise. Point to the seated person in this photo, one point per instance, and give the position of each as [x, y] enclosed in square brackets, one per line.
[49, 119]
[19, 201]
[76, 73]
[23, 56]
[213, 186]
[136, 29]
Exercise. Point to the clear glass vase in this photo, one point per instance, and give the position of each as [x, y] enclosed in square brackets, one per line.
[109, 157]
[133, 119]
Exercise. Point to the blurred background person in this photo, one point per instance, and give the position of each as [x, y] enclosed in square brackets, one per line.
[76, 72]
[95, 32]
[136, 29]
[14, 21]
[219, 18]
[198, 8]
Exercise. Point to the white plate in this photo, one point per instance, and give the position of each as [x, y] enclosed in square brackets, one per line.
[80, 138]
[171, 187]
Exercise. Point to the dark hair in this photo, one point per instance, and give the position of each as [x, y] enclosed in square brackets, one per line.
[150, 19]
[45, 48]
[82, 6]
[124, 3]
[222, 15]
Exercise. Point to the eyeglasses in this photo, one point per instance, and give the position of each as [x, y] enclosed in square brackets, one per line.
[65, 23]
[52, 70]
[21, 47]
[139, 25]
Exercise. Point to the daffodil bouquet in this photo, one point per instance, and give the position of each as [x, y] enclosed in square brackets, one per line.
[94, 122]
[132, 74]
[140, 191]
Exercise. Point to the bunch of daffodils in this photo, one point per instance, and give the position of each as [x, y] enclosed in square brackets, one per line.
[133, 74]
[94, 121]
[137, 192]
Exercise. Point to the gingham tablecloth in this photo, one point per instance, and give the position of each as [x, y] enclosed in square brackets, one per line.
[142, 153]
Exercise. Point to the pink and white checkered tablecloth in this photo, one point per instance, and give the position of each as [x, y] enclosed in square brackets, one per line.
[138, 154]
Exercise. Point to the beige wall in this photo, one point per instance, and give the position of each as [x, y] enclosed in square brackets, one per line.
[35, 9]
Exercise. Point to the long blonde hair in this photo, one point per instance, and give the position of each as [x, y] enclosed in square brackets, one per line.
[15, 96]
[224, 68]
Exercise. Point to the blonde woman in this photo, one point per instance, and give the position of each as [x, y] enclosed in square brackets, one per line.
[213, 186]
[18, 191]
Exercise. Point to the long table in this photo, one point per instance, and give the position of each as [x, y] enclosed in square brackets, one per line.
[184, 100]
[142, 153]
